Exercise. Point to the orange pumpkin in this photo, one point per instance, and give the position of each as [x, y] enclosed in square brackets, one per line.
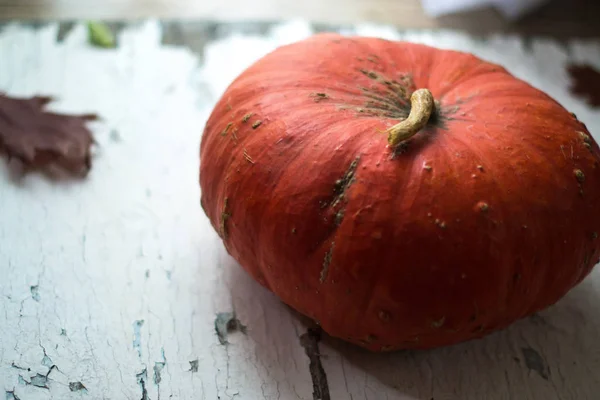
[400, 195]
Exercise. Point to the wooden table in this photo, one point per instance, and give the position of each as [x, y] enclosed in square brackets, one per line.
[117, 287]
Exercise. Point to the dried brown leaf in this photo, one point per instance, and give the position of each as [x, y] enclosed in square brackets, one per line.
[585, 83]
[42, 139]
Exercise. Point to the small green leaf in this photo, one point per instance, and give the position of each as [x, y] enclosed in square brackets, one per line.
[100, 35]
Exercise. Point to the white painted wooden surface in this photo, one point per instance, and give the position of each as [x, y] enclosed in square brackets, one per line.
[113, 284]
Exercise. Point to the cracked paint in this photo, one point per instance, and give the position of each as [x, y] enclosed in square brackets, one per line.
[47, 361]
[310, 341]
[535, 362]
[35, 292]
[39, 380]
[137, 336]
[77, 387]
[10, 395]
[21, 368]
[142, 377]
[158, 367]
[226, 323]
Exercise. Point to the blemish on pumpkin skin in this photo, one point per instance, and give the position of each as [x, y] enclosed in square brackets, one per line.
[247, 157]
[586, 259]
[384, 316]
[224, 132]
[339, 217]
[587, 141]
[438, 324]
[256, 124]
[562, 149]
[585, 137]
[370, 338]
[579, 175]
[371, 74]
[341, 185]
[483, 206]
[327, 263]
[399, 150]
[224, 217]
[247, 117]
[319, 96]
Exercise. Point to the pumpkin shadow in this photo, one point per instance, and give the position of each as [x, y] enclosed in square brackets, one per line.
[271, 337]
[549, 355]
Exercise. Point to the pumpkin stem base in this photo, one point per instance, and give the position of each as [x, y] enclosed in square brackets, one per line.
[422, 106]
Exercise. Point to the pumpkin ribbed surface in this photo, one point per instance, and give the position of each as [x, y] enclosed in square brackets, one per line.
[485, 215]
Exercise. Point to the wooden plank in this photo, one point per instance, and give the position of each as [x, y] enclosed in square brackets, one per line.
[111, 287]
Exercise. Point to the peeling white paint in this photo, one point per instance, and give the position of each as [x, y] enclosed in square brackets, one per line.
[130, 244]
[83, 264]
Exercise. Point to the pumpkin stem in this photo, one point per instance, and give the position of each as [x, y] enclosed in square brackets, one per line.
[421, 108]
